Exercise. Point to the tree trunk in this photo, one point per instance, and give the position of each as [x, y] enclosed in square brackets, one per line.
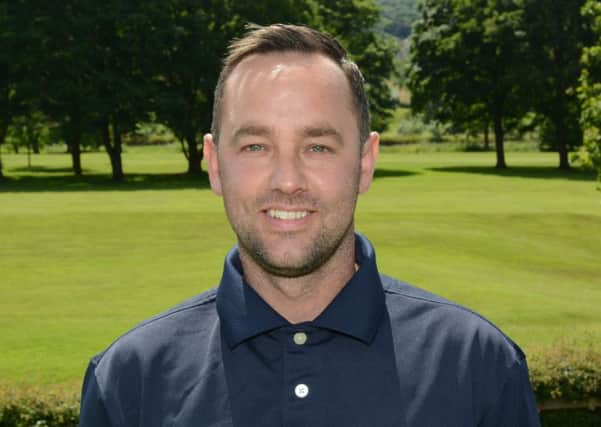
[499, 142]
[35, 145]
[562, 146]
[73, 144]
[486, 138]
[116, 161]
[194, 154]
[113, 149]
[3, 131]
[564, 161]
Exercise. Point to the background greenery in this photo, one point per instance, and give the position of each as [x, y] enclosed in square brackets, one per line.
[84, 257]
[83, 260]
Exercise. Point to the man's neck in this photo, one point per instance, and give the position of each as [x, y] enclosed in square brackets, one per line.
[302, 299]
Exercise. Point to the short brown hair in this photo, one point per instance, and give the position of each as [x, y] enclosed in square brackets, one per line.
[292, 38]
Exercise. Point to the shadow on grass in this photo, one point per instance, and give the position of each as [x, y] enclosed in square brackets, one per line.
[541, 172]
[132, 182]
[101, 182]
[43, 169]
[392, 173]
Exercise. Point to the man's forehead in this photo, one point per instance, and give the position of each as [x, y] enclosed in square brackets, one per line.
[307, 86]
[285, 67]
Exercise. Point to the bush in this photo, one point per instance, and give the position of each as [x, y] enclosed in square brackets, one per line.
[567, 385]
[32, 407]
[562, 373]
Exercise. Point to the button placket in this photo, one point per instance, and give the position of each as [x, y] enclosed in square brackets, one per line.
[301, 378]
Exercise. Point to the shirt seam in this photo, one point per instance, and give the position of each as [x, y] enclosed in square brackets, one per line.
[120, 421]
[519, 353]
[175, 310]
[513, 369]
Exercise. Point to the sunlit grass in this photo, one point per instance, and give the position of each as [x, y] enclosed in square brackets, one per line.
[83, 260]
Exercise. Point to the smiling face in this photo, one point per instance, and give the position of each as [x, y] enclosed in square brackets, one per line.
[289, 164]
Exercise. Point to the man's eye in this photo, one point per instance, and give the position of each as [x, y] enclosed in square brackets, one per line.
[319, 149]
[253, 148]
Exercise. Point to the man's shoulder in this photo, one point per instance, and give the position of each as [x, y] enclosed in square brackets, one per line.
[398, 287]
[445, 320]
[173, 351]
[194, 316]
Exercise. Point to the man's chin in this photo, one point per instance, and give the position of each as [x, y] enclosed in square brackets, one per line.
[287, 268]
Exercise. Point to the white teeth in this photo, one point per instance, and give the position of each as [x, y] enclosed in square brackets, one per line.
[287, 214]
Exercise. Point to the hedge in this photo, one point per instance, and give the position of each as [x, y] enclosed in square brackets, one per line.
[563, 374]
[34, 407]
[566, 382]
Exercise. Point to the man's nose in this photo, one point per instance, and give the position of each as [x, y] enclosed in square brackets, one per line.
[288, 175]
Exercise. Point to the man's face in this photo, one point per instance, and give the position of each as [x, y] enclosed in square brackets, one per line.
[289, 164]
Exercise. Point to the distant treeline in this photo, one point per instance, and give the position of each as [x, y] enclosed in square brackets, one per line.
[500, 65]
[398, 16]
[88, 71]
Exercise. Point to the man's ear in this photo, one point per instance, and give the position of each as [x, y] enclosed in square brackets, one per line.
[369, 155]
[210, 152]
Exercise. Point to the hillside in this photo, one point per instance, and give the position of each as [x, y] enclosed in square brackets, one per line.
[398, 16]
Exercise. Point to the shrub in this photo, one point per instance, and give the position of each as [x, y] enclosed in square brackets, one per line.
[33, 407]
[562, 373]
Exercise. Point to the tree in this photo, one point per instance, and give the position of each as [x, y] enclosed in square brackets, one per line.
[88, 69]
[194, 39]
[589, 91]
[196, 35]
[556, 34]
[122, 39]
[30, 130]
[12, 62]
[398, 16]
[467, 64]
[353, 23]
[61, 79]
[98, 68]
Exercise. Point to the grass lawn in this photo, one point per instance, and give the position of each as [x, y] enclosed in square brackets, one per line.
[83, 260]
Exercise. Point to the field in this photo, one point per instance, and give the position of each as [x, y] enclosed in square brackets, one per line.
[83, 260]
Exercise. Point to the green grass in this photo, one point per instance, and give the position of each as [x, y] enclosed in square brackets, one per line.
[82, 259]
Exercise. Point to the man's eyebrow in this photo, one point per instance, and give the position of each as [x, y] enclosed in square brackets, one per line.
[321, 130]
[251, 130]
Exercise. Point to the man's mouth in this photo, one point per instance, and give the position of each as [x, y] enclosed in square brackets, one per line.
[287, 215]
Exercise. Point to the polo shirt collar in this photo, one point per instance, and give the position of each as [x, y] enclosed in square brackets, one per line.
[355, 311]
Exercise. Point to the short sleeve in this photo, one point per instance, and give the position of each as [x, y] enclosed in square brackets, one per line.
[516, 405]
[93, 411]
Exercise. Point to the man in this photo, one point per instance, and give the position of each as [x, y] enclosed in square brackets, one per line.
[302, 329]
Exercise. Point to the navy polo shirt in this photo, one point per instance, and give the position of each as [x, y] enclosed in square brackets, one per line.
[383, 353]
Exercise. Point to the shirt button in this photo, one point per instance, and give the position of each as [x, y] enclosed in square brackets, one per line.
[301, 390]
[299, 338]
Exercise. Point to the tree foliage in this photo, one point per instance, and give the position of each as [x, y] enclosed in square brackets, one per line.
[12, 64]
[556, 35]
[373, 53]
[61, 77]
[467, 64]
[398, 16]
[96, 69]
[589, 90]
[191, 44]
[481, 62]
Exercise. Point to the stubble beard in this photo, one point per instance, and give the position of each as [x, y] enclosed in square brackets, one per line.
[329, 240]
[320, 252]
